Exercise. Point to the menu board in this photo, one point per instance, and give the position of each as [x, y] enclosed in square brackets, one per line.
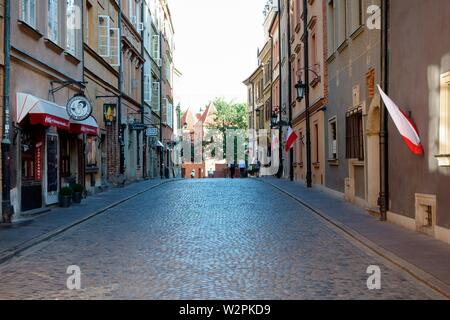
[52, 163]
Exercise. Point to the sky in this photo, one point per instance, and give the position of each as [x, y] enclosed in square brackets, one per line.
[216, 44]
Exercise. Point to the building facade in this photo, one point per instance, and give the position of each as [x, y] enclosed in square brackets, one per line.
[97, 49]
[101, 72]
[422, 205]
[317, 72]
[352, 116]
[47, 149]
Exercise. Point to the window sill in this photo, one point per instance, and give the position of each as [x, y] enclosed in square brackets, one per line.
[315, 82]
[342, 46]
[331, 57]
[70, 57]
[333, 162]
[30, 30]
[53, 46]
[357, 32]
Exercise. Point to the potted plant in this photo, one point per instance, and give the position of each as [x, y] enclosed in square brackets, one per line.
[77, 193]
[65, 197]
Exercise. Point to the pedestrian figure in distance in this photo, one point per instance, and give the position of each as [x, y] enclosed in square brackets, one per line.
[193, 174]
[232, 169]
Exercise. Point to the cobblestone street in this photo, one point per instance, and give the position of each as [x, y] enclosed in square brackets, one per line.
[205, 239]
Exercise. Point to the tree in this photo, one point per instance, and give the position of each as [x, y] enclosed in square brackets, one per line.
[230, 115]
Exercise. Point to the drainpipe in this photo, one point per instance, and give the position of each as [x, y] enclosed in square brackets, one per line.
[7, 208]
[384, 138]
[161, 153]
[83, 170]
[291, 151]
[307, 113]
[144, 138]
[280, 127]
[119, 107]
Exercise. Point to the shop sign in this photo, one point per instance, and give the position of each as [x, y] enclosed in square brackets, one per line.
[79, 108]
[109, 114]
[138, 126]
[38, 161]
[152, 132]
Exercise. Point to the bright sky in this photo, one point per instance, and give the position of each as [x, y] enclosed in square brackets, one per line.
[216, 44]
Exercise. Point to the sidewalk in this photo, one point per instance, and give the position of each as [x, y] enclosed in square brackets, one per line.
[22, 235]
[423, 257]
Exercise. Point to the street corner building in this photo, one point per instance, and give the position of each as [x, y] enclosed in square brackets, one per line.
[108, 52]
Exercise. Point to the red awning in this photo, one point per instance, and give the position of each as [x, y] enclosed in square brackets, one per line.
[88, 126]
[41, 112]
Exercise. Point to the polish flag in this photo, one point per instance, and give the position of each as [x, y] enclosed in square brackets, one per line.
[404, 124]
[291, 138]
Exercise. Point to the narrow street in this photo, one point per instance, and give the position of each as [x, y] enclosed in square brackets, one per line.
[205, 239]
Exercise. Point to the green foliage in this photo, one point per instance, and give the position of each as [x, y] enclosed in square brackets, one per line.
[230, 115]
[66, 191]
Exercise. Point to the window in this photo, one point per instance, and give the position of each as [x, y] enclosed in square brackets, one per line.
[354, 135]
[28, 12]
[156, 47]
[114, 49]
[331, 26]
[156, 103]
[444, 122]
[169, 114]
[332, 139]
[53, 24]
[104, 40]
[300, 148]
[71, 35]
[341, 22]
[356, 14]
[89, 22]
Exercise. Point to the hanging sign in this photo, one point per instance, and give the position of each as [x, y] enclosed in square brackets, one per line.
[109, 113]
[79, 108]
[138, 126]
[152, 132]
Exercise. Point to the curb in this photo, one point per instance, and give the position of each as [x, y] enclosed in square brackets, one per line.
[9, 254]
[419, 274]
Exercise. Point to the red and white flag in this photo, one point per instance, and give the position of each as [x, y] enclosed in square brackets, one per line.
[291, 138]
[404, 124]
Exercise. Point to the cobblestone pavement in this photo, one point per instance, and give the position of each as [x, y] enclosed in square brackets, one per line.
[204, 239]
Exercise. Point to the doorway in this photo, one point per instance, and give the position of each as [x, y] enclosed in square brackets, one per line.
[52, 175]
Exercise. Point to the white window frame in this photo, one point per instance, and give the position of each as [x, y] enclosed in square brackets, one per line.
[28, 12]
[107, 45]
[156, 92]
[156, 47]
[71, 32]
[114, 49]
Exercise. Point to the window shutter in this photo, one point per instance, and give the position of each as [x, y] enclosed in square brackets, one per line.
[104, 39]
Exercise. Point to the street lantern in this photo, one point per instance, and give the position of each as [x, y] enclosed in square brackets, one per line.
[300, 87]
[274, 119]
